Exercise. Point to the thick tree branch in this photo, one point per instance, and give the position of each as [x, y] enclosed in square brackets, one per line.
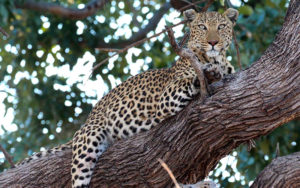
[59, 10]
[282, 172]
[246, 105]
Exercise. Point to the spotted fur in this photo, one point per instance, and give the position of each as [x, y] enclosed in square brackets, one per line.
[144, 100]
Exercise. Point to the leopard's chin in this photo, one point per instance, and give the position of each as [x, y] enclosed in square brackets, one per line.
[212, 53]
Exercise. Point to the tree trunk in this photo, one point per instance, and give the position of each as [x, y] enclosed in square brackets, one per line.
[282, 172]
[244, 106]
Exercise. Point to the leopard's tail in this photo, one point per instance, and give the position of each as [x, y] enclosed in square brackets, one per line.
[54, 150]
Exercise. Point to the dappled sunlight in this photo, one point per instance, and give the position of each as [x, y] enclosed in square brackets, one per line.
[47, 85]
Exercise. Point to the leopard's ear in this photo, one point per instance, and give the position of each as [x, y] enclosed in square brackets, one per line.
[189, 15]
[231, 14]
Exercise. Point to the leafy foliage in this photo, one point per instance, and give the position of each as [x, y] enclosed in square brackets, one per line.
[48, 107]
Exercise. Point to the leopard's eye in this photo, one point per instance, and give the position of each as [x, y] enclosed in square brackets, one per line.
[203, 27]
[221, 26]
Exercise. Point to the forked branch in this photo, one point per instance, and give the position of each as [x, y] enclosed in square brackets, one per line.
[142, 40]
[244, 106]
[188, 54]
[132, 45]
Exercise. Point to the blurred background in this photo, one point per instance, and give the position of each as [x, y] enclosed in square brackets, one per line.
[47, 88]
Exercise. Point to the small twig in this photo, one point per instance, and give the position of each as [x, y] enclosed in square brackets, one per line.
[134, 44]
[165, 166]
[8, 157]
[184, 39]
[108, 49]
[201, 184]
[236, 45]
[4, 32]
[237, 50]
[190, 4]
[251, 144]
[204, 9]
[146, 39]
[188, 54]
[277, 150]
[173, 42]
[193, 4]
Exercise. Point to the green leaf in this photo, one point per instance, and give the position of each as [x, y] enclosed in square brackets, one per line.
[3, 14]
[246, 10]
[222, 2]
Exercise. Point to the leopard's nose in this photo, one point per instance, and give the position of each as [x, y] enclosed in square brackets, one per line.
[213, 42]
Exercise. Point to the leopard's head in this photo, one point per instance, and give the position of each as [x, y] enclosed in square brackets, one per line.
[210, 32]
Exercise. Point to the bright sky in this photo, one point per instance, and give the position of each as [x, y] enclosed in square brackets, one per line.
[83, 65]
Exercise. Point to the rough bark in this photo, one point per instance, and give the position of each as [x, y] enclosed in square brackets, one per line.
[59, 10]
[244, 106]
[282, 172]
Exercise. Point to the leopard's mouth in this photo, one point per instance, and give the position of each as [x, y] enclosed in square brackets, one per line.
[212, 53]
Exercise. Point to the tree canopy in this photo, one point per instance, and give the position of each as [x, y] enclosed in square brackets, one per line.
[47, 58]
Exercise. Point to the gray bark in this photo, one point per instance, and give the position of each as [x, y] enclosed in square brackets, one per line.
[282, 172]
[244, 106]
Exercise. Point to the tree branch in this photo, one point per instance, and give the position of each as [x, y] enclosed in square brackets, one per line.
[4, 32]
[132, 45]
[90, 9]
[282, 172]
[188, 54]
[245, 105]
[141, 34]
[140, 37]
[8, 157]
[59, 10]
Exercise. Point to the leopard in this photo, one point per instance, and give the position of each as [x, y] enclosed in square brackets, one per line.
[144, 100]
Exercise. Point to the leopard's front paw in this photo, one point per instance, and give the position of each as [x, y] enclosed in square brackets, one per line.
[211, 73]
